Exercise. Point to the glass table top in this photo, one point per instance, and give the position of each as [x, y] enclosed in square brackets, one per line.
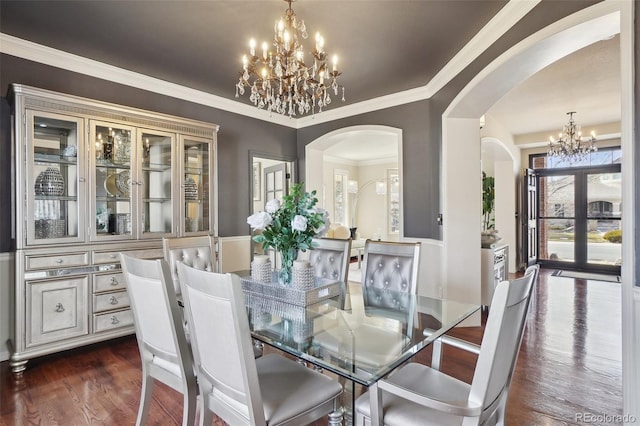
[361, 336]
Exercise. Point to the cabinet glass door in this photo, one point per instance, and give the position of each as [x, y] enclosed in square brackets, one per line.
[112, 181]
[197, 186]
[55, 179]
[155, 179]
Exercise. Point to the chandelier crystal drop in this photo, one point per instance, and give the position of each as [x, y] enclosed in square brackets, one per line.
[279, 79]
[571, 146]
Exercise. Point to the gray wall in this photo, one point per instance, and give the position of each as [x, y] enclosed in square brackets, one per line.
[237, 135]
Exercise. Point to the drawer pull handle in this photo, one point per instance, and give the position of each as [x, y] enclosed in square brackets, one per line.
[59, 260]
[114, 320]
[114, 281]
[113, 300]
[59, 307]
[112, 256]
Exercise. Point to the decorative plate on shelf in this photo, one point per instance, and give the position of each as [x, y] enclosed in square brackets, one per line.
[110, 185]
[123, 183]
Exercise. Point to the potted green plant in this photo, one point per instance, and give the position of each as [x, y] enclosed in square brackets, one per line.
[489, 234]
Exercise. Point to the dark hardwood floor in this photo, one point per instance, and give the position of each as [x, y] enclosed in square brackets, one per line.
[569, 367]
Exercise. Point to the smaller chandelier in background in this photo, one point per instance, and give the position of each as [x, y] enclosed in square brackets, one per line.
[280, 80]
[570, 144]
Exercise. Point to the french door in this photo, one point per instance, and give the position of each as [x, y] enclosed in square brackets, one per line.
[578, 218]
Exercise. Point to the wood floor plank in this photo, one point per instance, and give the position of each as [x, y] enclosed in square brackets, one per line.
[569, 365]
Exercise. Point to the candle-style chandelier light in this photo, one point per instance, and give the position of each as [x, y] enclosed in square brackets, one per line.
[279, 79]
[570, 145]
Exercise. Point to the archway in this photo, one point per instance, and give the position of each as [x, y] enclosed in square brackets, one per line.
[317, 179]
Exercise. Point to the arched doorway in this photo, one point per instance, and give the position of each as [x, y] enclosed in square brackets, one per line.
[373, 180]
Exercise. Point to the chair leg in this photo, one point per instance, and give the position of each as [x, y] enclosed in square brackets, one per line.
[206, 415]
[145, 398]
[335, 417]
[436, 355]
[189, 405]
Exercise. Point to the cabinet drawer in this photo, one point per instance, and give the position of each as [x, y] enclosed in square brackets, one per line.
[100, 257]
[57, 261]
[111, 320]
[108, 282]
[108, 301]
[56, 309]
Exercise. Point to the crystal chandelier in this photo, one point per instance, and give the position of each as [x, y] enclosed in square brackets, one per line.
[279, 79]
[570, 144]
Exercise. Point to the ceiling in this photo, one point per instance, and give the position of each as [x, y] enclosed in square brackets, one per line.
[384, 46]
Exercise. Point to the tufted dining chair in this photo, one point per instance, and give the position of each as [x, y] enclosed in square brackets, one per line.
[242, 390]
[390, 266]
[198, 252]
[419, 395]
[330, 258]
[165, 353]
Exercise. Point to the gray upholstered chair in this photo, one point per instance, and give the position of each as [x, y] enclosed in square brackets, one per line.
[390, 266]
[198, 251]
[330, 258]
[420, 395]
[271, 390]
[166, 355]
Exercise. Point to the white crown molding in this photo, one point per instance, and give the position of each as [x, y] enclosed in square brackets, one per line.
[511, 13]
[57, 58]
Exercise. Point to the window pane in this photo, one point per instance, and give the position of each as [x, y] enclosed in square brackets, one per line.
[557, 240]
[556, 196]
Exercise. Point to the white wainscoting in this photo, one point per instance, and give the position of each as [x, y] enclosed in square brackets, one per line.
[430, 266]
[431, 276]
[7, 300]
[235, 253]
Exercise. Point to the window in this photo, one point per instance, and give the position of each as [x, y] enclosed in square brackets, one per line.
[340, 179]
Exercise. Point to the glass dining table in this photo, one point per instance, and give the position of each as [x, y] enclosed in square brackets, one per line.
[361, 336]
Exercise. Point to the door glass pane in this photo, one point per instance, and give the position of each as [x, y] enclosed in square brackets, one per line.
[604, 203]
[113, 180]
[156, 187]
[557, 240]
[196, 186]
[55, 178]
[556, 201]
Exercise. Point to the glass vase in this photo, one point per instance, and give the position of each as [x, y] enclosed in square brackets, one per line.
[287, 257]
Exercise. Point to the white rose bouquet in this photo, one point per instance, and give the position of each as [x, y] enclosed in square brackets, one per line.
[289, 226]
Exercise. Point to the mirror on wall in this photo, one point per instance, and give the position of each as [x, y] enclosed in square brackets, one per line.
[271, 177]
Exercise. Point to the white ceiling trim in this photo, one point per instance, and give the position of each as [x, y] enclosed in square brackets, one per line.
[510, 14]
[57, 58]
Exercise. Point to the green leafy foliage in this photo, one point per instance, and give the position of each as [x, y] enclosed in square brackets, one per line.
[488, 199]
[282, 234]
[614, 236]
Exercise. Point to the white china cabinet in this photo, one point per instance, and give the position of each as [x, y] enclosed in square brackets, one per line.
[92, 180]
